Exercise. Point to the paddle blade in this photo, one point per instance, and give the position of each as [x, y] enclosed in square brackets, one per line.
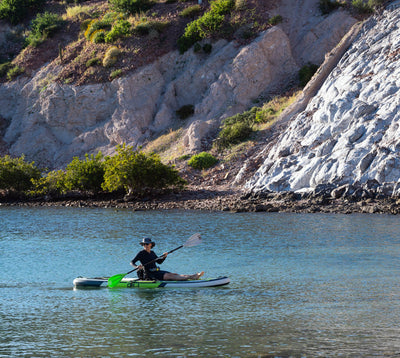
[194, 240]
[115, 280]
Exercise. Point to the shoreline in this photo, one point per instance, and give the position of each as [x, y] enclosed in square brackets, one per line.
[227, 200]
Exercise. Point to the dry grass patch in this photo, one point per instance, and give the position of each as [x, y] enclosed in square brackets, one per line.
[166, 145]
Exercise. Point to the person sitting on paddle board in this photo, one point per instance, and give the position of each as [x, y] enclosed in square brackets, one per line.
[152, 272]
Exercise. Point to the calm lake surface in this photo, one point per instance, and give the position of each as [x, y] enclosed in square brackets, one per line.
[302, 285]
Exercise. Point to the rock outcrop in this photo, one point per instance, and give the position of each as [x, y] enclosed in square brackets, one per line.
[348, 136]
[51, 122]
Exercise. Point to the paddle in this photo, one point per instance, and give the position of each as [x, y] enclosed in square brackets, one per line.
[192, 241]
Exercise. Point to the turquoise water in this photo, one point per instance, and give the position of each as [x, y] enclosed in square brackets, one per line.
[303, 285]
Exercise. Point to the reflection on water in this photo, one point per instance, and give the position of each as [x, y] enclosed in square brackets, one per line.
[302, 285]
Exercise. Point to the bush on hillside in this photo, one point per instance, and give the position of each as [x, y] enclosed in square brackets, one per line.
[222, 7]
[148, 27]
[16, 174]
[15, 11]
[237, 128]
[130, 7]
[97, 25]
[4, 68]
[206, 25]
[275, 20]
[364, 6]
[93, 62]
[202, 160]
[120, 29]
[135, 171]
[191, 11]
[99, 36]
[42, 27]
[14, 71]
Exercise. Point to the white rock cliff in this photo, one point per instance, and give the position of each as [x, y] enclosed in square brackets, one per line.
[350, 131]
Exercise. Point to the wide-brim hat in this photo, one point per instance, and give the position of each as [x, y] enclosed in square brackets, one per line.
[147, 240]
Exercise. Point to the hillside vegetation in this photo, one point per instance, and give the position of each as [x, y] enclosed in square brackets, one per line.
[80, 35]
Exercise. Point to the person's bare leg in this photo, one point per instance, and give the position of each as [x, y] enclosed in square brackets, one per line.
[169, 276]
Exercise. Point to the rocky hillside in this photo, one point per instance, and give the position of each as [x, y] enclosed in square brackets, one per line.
[347, 139]
[55, 110]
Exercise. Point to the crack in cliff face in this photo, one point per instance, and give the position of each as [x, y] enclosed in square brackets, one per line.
[355, 117]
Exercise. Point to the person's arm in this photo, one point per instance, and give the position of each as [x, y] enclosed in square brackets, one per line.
[162, 258]
[136, 259]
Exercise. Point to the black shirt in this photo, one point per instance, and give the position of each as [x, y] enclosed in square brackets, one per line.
[145, 257]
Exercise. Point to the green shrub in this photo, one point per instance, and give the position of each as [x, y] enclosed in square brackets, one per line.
[115, 74]
[14, 11]
[375, 3]
[93, 62]
[237, 128]
[85, 175]
[120, 29]
[185, 111]
[191, 11]
[43, 26]
[96, 25]
[14, 71]
[99, 36]
[51, 184]
[275, 20]
[206, 25]
[85, 24]
[210, 23]
[202, 160]
[145, 28]
[363, 7]
[327, 6]
[4, 68]
[130, 7]
[235, 133]
[222, 7]
[306, 73]
[135, 171]
[184, 157]
[17, 174]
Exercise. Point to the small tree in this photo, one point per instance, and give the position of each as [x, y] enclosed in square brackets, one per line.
[17, 174]
[136, 171]
[87, 174]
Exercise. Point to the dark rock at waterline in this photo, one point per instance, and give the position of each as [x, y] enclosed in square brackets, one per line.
[348, 198]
